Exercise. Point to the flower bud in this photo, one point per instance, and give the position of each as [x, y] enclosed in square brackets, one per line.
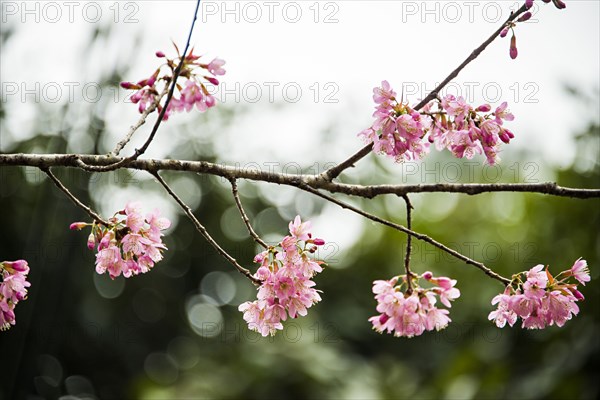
[91, 241]
[427, 275]
[524, 17]
[77, 225]
[160, 54]
[150, 81]
[559, 4]
[319, 242]
[578, 295]
[16, 266]
[504, 32]
[129, 85]
[528, 4]
[484, 108]
[513, 47]
[212, 80]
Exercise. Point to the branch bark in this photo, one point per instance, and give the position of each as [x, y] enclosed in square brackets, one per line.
[295, 180]
[72, 197]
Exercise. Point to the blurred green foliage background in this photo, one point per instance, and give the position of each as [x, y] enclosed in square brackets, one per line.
[176, 332]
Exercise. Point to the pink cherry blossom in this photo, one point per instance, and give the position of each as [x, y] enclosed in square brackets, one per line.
[410, 313]
[285, 274]
[580, 271]
[135, 219]
[13, 289]
[384, 94]
[504, 312]
[191, 78]
[541, 301]
[405, 134]
[299, 230]
[456, 107]
[502, 113]
[130, 245]
[215, 67]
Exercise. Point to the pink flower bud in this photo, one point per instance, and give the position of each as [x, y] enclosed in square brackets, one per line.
[504, 32]
[129, 85]
[484, 108]
[212, 80]
[578, 295]
[160, 54]
[16, 266]
[91, 241]
[528, 4]
[319, 242]
[524, 17]
[150, 81]
[383, 318]
[559, 4]
[513, 47]
[77, 225]
[427, 275]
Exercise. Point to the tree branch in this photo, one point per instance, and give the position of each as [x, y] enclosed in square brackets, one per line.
[140, 122]
[335, 171]
[200, 228]
[230, 172]
[238, 203]
[408, 244]
[74, 199]
[417, 235]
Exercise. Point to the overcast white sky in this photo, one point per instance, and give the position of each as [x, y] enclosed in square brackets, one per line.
[320, 60]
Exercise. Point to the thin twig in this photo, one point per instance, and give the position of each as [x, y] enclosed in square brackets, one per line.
[238, 203]
[140, 122]
[200, 228]
[74, 199]
[138, 152]
[335, 171]
[408, 243]
[401, 228]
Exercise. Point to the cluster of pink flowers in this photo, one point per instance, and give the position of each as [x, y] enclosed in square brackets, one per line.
[192, 93]
[400, 132]
[285, 274]
[13, 289]
[131, 245]
[542, 300]
[410, 313]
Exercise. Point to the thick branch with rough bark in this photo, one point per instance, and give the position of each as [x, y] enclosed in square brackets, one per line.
[313, 181]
